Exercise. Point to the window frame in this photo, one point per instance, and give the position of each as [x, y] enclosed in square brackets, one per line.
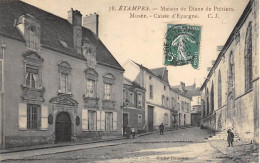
[33, 122]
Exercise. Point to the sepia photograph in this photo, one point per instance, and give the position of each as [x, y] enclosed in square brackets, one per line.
[129, 81]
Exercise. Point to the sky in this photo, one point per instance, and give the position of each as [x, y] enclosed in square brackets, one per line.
[142, 39]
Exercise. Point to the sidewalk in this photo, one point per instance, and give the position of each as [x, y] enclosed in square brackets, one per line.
[240, 152]
[46, 146]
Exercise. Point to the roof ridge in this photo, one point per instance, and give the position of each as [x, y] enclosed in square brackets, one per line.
[43, 10]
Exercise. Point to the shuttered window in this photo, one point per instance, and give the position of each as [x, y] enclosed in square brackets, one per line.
[33, 116]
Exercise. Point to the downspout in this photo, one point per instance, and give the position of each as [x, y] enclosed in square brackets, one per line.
[3, 46]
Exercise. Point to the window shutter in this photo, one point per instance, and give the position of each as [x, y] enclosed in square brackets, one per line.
[102, 121]
[143, 101]
[44, 117]
[98, 121]
[84, 120]
[22, 116]
[114, 121]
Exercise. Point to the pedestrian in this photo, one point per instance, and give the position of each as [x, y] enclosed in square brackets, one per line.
[133, 132]
[161, 127]
[128, 131]
[230, 138]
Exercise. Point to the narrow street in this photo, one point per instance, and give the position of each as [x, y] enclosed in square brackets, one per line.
[183, 145]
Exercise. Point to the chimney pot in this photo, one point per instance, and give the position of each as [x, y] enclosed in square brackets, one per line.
[91, 22]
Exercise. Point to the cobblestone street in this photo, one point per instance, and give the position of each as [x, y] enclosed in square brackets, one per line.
[183, 145]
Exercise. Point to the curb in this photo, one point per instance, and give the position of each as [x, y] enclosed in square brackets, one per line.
[58, 145]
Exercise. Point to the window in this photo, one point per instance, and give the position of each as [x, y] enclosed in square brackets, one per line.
[33, 116]
[64, 70]
[1, 75]
[185, 106]
[164, 87]
[107, 91]
[91, 76]
[90, 88]
[139, 100]
[32, 37]
[231, 73]
[167, 102]
[31, 77]
[163, 100]
[173, 103]
[131, 98]
[109, 121]
[150, 77]
[151, 92]
[188, 107]
[182, 105]
[92, 120]
[178, 106]
[207, 105]
[109, 81]
[64, 83]
[219, 90]
[248, 58]
[212, 98]
[140, 120]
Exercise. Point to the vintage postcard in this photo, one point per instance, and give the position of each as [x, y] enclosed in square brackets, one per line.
[129, 81]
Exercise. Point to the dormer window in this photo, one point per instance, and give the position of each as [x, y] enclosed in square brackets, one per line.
[29, 27]
[89, 52]
[32, 37]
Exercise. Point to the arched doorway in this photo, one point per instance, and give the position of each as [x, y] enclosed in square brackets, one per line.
[63, 127]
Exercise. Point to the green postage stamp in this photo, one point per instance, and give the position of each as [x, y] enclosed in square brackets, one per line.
[182, 45]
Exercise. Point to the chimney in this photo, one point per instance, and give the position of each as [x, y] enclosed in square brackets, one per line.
[183, 86]
[91, 22]
[75, 18]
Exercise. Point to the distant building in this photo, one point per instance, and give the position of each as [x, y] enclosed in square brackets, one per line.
[183, 105]
[133, 106]
[195, 94]
[230, 94]
[58, 82]
[157, 108]
[161, 101]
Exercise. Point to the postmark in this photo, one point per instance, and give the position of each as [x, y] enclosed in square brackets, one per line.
[182, 45]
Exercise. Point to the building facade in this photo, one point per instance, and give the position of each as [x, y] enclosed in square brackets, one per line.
[230, 94]
[58, 80]
[195, 94]
[183, 105]
[161, 102]
[133, 106]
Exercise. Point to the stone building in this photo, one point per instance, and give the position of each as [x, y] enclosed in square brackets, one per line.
[195, 94]
[230, 94]
[133, 106]
[157, 95]
[161, 101]
[58, 81]
[183, 105]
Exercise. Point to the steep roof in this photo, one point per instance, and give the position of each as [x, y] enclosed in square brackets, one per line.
[158, 72]
[53, 29]
[161, 73]
[133, 84]
[193, 92]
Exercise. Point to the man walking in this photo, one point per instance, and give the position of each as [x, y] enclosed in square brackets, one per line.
[230, 138]
[161, 127]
